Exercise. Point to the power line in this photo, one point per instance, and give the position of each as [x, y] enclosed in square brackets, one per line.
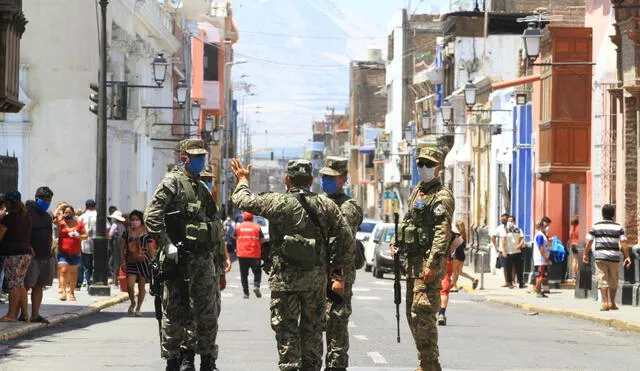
[312, 36]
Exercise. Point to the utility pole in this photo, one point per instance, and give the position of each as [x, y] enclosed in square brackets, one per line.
[100, 285]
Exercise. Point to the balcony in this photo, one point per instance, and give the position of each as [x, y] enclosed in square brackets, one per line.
[211, 92]
[159, 23]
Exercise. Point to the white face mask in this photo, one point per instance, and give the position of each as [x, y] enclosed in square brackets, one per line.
[427, 174]
[510, 225]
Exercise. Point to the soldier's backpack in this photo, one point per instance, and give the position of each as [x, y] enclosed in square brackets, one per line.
[359, 260]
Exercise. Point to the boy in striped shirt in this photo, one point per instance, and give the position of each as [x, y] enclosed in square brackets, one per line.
[607, 236]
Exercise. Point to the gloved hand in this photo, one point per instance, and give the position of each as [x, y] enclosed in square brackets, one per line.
[172, 252]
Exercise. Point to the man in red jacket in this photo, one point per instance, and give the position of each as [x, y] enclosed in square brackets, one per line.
[249, 239]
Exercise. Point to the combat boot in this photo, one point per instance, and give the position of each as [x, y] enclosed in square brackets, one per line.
[208, 363]
[173, 364]
[188, 360]
[429, 366]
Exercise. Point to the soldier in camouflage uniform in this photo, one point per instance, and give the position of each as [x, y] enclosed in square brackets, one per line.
[333, 177]
[424, 236]
[181, 217]
[300, 260]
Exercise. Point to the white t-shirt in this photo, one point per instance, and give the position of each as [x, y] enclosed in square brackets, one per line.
[540, 240]
[89, 220]
[513, 240]
[500, 232]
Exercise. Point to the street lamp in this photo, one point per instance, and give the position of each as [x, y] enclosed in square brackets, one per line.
[408, 132]
[470, 94]
[208, 122]
[159, 68]
[446, 110]
[195, 111]
[181, 92]
[532, 37]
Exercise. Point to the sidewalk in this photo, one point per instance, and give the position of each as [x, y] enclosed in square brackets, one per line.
[56, 311]
[560, 302]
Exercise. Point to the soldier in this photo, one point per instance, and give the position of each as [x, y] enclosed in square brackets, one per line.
[424, 236]
[182, 219]
[301, 259]
[333, 178]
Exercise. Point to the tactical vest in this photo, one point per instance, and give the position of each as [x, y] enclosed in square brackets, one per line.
[417, 230]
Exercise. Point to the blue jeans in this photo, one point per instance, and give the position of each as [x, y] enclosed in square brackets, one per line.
[85, 271]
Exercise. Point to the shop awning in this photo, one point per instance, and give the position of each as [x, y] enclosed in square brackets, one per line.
[367, 150]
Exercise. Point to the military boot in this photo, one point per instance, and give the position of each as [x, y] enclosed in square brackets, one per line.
[208, 363]
[188, 359]
[429, 366]
[173, 364]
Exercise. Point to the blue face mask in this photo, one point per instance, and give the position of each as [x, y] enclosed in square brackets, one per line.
[329, 185]
[42, 205]
[209, 185]
[196, 165]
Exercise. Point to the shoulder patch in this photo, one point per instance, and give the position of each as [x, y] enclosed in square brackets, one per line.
[439, 210]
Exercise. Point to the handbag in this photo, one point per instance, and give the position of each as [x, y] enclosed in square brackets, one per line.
[498, 263]
[134, 252]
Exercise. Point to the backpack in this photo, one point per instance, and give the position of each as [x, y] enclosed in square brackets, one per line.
[359, 259]
[558, 252]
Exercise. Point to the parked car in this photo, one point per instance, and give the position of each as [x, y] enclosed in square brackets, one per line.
[378, 247]
[264, 226]
[364, 234]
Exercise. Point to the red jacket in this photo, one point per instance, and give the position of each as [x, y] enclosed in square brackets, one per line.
[248, 236]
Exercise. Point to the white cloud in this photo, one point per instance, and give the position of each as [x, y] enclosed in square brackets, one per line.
[339, 58]
[296, 41]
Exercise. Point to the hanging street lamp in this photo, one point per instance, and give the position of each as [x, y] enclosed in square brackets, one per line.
[446, 110]
[532, 37]
[470, 94]
[159, 68]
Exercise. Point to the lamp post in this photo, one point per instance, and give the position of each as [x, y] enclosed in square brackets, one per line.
[470, 94]
[195, 111]
[181, 92]
[100, 285]
[532, 37]
[446, 110]
[159, 69]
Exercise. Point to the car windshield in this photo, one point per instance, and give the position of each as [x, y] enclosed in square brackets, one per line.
[388, 235]
[260, 220]
[366, 227]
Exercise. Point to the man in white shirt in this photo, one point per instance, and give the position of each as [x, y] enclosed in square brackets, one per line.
[497, 240]
[89, 220]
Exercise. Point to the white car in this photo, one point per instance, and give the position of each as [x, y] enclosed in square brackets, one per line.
[365, 235]
[264, 226]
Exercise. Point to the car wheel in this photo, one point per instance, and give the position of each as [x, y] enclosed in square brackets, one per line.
[367, 267]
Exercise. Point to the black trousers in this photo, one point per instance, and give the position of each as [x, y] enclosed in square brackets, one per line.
[515, 260]
[245, 265]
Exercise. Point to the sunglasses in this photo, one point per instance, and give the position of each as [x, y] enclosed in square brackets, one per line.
[429, 165]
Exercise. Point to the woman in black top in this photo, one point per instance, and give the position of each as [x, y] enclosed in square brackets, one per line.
[459, 257]
[15, 248]
[136, 256]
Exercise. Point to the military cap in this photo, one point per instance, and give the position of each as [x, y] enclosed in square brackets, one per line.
[430, 154]
[334, 166]
[299, 168]
[207, 172]
[192, 147]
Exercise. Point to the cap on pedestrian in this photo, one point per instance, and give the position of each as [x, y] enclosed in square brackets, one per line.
[207, 172]
[192, 147]
[430, 154]
[117, 215]
[334, 166]
[247, 216]
[13, 195]
[299, 168]
[90, 203]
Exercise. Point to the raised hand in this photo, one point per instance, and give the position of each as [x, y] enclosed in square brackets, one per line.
[239, 170]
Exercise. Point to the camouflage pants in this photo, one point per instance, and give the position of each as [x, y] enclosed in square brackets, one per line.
[191, 322]
[422, 304]
[337, 330]
[297, 317]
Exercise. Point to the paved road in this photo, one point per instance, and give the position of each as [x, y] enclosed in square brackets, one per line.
[480, 336]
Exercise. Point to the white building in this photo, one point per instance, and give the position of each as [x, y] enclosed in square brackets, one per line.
[54, 136]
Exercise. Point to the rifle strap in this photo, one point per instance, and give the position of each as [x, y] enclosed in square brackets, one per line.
[300, 196]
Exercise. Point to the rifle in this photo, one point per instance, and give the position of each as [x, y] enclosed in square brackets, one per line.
[155, 290]
[397, 293]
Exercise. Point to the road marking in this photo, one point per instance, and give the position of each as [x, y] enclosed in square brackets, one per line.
[226, 295]
[361, 337]
[360, 289]
[367, 297]
[351, 324]
[381, 283]
[377, 357]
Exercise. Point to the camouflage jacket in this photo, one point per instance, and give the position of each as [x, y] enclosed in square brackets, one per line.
[353, 216]
[435, 218]
[286, 217]
[170, 197]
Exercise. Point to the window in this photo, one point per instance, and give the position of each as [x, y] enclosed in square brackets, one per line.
[366, 227]
[210, 63]
[390, 48]
[389, 234]
[378, 234]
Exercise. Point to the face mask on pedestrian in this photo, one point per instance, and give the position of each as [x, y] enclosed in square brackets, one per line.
[68, 216]
[329, 184]
[196, 165]
[136, 224]
[42, 205]
[511, 225]
[209, 185]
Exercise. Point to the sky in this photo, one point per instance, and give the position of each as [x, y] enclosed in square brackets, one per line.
[297, 56]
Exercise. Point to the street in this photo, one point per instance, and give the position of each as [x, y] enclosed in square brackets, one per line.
[480, 336]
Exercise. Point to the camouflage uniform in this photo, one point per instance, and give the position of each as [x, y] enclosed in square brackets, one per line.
[428, 249]
[337, 333]
[298, 295]
[190, 319]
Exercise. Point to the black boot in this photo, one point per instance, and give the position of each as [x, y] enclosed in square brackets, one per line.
[173, 364]
[188, 361]
[208, 363]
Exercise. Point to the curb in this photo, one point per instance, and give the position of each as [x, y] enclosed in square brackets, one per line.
[610, 322]
[57, 319]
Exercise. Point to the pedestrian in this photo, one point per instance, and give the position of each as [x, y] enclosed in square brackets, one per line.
[181, 218]
[541, 253]
[430, 211]
[116, 243]
[56, 241]
[70, 232]
[136, 259]
[229, 226]
[574, 240]
[496, 239]
[15, 248]
[301, 224]
[607, 237]
[459, 256]
[513, 243]
[333, 177]
[89, 219]
[42, 267]
[446, 281]
[249, 239]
